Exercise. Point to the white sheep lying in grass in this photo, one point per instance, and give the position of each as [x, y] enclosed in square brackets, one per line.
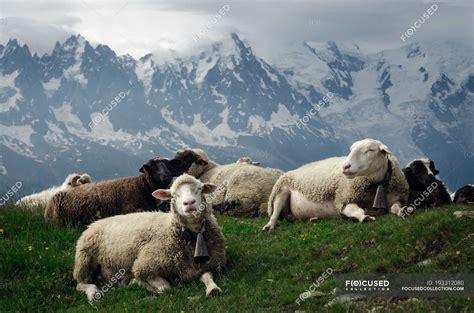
[42, 198]
[153, 247]
[243, 187]
[340, 185]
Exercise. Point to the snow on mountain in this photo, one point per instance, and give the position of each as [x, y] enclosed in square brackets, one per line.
[413, 98]
[9, 91]
[59, 113]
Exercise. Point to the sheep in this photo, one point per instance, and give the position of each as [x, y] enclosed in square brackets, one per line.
[243, 187]
[153, 247]
[119, 196]
[42, 198]
[464, 195]
[248, 189]
[340, 185]
[425, 189]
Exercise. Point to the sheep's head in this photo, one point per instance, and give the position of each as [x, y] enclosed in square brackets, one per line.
[71, 180]
[249, 161]
[420, 173]
[84, 179]
[199, 167]
[367, 157]
[158, 171]
[187, 195]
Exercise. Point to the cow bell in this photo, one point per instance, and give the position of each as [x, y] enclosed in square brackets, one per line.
[200, 252]
[380, 202]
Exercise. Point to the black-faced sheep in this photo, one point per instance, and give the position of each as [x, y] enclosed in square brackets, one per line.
[153, 247]
[340, 185]
[464, 195]
[90, 202]
[425, 189]
[42, 198]
[243, 187]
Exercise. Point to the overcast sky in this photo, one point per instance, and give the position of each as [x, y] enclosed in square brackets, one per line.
[140, 27]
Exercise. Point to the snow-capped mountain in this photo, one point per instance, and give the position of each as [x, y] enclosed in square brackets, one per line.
[85, 109]
[417, 99]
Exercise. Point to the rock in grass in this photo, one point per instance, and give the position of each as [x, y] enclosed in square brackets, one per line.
[459, 214]
[425, 262]
[345, 298]
[314, 294]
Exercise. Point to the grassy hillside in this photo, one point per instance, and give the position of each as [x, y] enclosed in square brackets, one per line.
[265, 273]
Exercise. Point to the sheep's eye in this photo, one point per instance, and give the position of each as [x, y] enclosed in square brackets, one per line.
[370, 150]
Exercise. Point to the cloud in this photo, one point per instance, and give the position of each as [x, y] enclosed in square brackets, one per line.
[40, 37]
[139, 27]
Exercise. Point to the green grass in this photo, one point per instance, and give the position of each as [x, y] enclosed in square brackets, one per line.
[265, 272]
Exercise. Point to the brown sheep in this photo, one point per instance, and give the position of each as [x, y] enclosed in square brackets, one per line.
[90, 202]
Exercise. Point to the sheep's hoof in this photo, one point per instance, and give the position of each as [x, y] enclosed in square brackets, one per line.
[314, 219]
[93, 294]
[406, 211]
[134, 281]
[211, 292]
[268, 228]
[367, 218]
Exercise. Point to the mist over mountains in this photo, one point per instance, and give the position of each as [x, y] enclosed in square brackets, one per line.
[86, 109]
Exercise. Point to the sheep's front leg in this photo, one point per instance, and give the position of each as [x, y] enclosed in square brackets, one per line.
[211, 288]
[156, 285]
[354, 211]
[397, 209]
[91, 290]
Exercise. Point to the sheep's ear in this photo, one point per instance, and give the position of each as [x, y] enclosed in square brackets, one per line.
[74, 179]
[384, 149]
[162, 194]
[208, 188]
[433, 168]
[257, 163]
[144, 168]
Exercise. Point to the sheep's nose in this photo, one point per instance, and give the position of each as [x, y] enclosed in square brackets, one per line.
[346, 166]
[189, 202]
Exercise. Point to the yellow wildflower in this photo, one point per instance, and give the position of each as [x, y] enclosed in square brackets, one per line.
[30, 248]
[458, 252]
[1, 231]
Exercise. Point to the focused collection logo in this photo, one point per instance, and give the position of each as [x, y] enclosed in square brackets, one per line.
[366, 285]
